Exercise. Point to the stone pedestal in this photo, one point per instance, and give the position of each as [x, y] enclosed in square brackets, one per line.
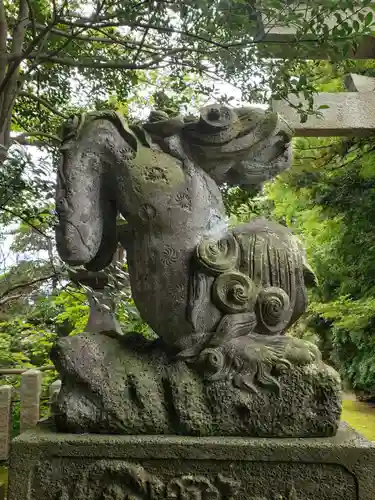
[46, 465]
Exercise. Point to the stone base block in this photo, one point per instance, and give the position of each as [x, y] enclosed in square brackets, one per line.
[46, 465]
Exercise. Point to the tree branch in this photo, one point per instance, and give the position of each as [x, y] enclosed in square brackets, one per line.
[3, 46]
[36, 143]
[21, 138]
[100, 23]
[145, 33]
[314, 147]
[43, 102]
[9, 83]
[25, 220]
[108, 38]
[88, 62]
[32, 17]
[5, 300]
[28, 283]
[17, 55]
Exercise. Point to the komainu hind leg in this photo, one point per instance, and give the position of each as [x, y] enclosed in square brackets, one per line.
[229, 327]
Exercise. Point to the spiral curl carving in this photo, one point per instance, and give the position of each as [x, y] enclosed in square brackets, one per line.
[214, 359]
[169, 256]
[234, 292]
[273, 310]
[218, 256]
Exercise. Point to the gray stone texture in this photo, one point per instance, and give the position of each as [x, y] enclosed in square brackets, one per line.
[359, 83]
[129, 385]
[30, 392]
[165, 182]
[219, 298]
[45, 465]
[5, 420]
[102, 317]
[349, 114]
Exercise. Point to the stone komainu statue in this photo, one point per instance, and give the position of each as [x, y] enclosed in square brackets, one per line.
[219, 298]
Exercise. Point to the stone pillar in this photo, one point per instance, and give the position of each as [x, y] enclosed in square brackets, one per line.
[5, 420]
[30, 392]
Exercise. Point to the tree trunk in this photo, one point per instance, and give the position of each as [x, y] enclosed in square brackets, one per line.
[9, 73]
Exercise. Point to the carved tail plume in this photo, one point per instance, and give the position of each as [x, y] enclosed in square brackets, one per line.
[108, 243]
[86, 208]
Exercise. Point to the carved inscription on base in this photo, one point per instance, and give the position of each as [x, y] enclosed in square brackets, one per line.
[106, 480]
[124, 480]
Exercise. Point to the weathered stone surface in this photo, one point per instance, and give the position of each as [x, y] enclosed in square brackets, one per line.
[5, 420]
[167, 188]
[348, 114]
[359, 83]
[46, 465]
[130, 386]
[220, 298]
[102, 316]
[30, 392]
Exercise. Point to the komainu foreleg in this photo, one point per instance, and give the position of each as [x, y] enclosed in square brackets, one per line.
[255, 361]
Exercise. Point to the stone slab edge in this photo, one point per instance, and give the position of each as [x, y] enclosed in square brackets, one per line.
[347, 448]
[348, 114]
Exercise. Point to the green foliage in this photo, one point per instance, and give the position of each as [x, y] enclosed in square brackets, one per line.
[26, 187]
[332, 209]
[74, 59]
[328, 198]
[242, 206]
[70, 311]
[131, 321]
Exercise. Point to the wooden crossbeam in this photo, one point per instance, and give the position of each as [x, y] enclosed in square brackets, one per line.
[348, 113]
